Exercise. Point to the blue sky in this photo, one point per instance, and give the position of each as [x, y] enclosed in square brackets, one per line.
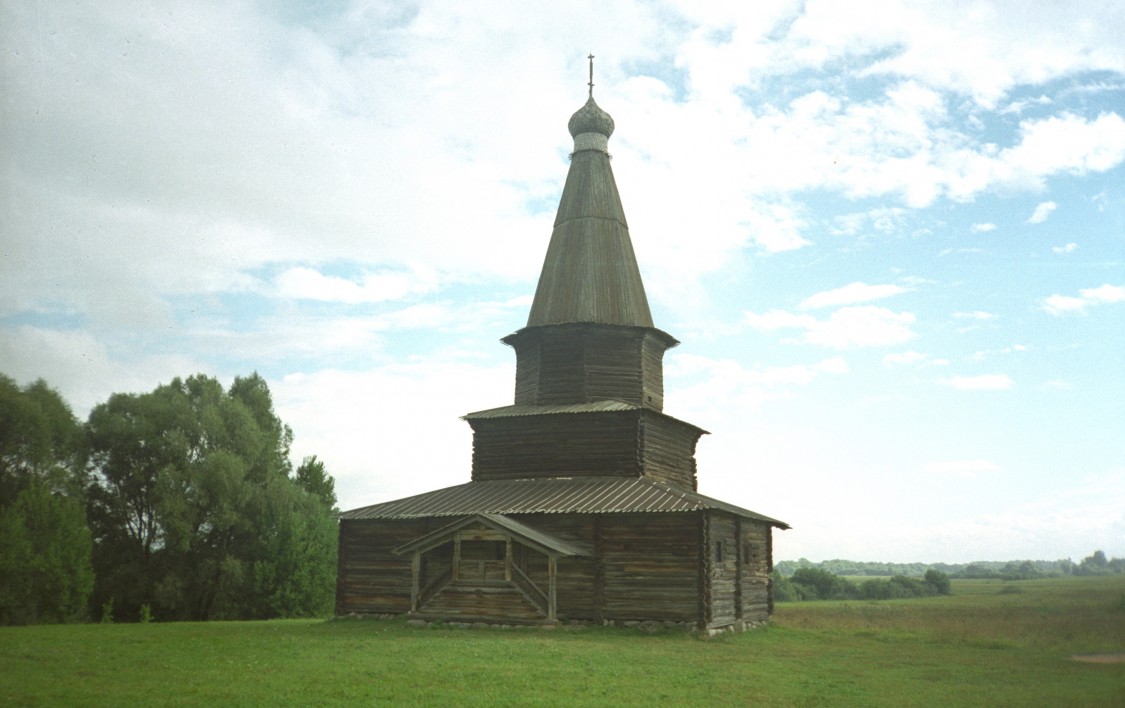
[889, 235]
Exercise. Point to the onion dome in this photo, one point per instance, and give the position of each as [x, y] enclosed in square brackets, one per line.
[590, 127]
[590, 119]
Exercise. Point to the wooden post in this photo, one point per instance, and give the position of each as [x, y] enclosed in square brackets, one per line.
[739, 566]
[599, 569]
[508, 559]
[455, 573]
[415, 581]
[552, 570]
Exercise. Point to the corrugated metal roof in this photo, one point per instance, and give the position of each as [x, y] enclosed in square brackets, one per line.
[525, 410]
[544, 542]
[558, 495]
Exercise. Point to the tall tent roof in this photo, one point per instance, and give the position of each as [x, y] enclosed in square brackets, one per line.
[590, 273]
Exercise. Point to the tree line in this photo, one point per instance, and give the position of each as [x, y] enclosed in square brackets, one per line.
[177, 504]
[819, 584]
[1095, 564]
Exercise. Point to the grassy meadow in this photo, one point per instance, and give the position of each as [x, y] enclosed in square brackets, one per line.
[990, 643]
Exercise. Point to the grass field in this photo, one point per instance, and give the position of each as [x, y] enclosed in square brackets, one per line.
[991, 643]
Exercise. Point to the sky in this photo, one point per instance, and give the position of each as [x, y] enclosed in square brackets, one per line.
[889, 235]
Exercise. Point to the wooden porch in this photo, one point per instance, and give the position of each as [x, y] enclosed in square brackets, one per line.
[480, 569]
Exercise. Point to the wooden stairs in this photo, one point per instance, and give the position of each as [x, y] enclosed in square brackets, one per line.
[482, 601]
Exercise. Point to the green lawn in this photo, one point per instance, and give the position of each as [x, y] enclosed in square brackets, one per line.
[991, 643]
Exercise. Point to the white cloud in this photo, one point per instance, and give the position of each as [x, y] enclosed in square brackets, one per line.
[1068, 248]
[706, 386]
[1062, 304]
[978, 51]
[907, 357]
[1042, 212]
[1104, 293]
[912, 357]
[82, 367]
[967, 469]
[779, 319]
[850, 294]
[309, 284]
[1017, 107]
[983, 382]
[979, 315]
[867, 326]
[983, 228]
[846, 328]
[375, 429]
[1065, 304]
[1069, 143]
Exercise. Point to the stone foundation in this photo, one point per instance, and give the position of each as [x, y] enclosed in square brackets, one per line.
[639, 625]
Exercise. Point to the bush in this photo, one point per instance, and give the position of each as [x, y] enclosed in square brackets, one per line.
[783, 590]
[817, 584]
[938, 581]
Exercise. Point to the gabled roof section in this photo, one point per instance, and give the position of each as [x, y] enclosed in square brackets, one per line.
[590, 273]
[542, 542]
[561, 495]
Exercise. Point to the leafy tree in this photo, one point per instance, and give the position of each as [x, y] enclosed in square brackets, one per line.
[45, 573]
[312, 477]
[938, 582]
[1098, 564]
[194, 510]
[39, 439]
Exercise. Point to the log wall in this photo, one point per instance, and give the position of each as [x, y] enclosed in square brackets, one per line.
[564, 444]
[645, 567]
[651, 566]
[757, 564]
[370, 579]
[722, 569]
[668, 450]
[626, 443]
[583, 362]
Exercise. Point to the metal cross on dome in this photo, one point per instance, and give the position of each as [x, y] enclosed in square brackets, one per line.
[591, 84]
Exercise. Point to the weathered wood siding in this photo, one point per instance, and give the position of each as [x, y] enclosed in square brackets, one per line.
[668, 450]
[722, 569]
[658, 566]
[582, 363]
[757, 563]
[650, 567]
[567, 444]
[370, 578]
[652, 370]
[627, 443]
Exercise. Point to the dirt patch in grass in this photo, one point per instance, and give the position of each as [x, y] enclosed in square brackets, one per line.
[1100, 658]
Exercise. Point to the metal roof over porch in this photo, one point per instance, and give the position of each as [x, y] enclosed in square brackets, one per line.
[542, 542]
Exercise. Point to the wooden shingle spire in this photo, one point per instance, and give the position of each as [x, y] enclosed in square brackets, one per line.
[590, 273]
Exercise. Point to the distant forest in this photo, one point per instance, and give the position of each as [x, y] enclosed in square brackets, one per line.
[1094, 564]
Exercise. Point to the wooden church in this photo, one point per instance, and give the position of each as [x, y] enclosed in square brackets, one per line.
[582, 504]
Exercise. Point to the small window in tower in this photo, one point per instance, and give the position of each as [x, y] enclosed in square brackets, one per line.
[718, 551]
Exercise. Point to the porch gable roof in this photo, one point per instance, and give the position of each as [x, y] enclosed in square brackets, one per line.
[524, 534]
